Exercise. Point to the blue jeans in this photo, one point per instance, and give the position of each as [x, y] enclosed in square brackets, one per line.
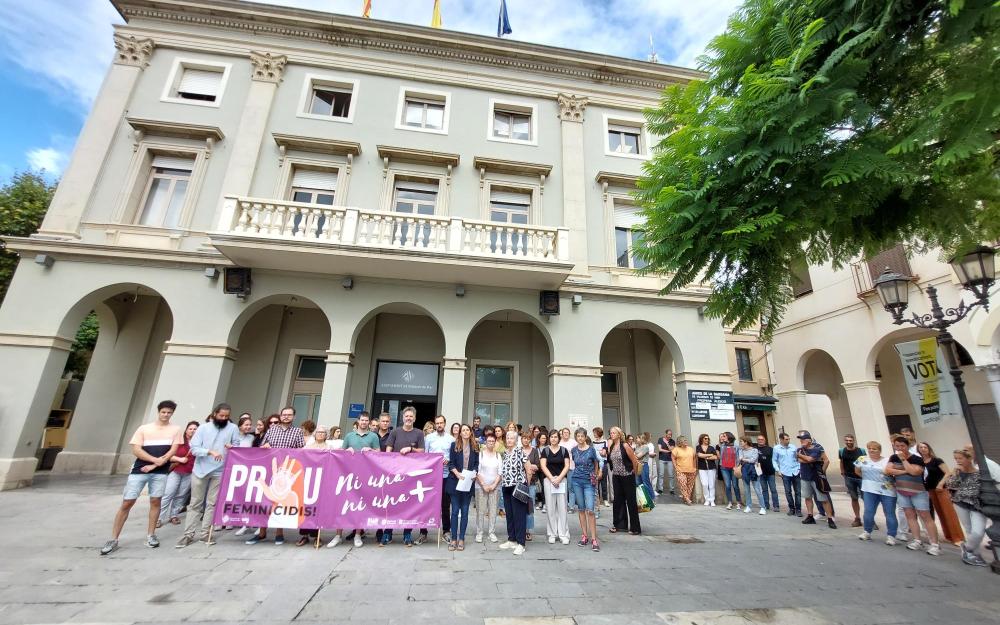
[767, 483]
[584, 492]
[529, 522]
[732, 486]
[872, 500]
[756, 487]
[792, 485]
[460, 501]
[643, 478]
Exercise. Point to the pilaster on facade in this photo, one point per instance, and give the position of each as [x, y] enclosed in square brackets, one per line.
[268, 67]
[132, 51]
[339, 358]
[571, 107]
[457, 364]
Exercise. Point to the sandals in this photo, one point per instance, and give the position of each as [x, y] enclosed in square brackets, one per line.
[302, 541]
[461, 546]
[613, 530]
[159, 524]
[527, 536]
[175, 521]
[452, 546]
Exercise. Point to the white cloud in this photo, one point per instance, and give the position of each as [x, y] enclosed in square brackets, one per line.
[71, 48]
[50, 160]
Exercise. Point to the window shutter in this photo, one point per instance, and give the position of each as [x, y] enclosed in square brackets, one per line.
[173, 162]
[628, 216]
[511, 197]
[406, 185]
[632, 130]
[315, 179]
[200, 81]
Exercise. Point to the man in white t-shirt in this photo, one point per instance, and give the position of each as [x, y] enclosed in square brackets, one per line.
[440, 442]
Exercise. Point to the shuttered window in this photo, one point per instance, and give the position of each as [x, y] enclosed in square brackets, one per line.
[625, 139]
[166, 191]
[800, 281]
[628, 221]
[893, 258]
[199, 84]
[510, 206]
[314, 186]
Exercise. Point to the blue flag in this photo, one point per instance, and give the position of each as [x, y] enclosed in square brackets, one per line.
[503, 23]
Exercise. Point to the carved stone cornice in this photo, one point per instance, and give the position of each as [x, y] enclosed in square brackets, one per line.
[268, 67]
[359, 33]
[571, 107]
[132, 51]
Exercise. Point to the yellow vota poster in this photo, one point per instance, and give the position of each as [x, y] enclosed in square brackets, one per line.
[928, 381]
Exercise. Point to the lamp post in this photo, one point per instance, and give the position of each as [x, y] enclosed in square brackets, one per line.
[977, 272]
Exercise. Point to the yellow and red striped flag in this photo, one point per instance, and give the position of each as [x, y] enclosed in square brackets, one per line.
[367, 10]
[436, 17]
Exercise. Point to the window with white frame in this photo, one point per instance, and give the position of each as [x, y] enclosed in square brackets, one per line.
[628, 235]
[494, 394]
[414, 198]
[196, 82]
[625, 138]
[314, 186]
[326, 97]
[166, 191]
[509, 206]
[511, 124]
[744, 365]
[424, 111]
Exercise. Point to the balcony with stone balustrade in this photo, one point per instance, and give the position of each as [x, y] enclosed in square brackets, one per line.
[349, 241]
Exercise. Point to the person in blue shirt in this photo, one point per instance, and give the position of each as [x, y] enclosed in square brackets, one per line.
[586, 473]
[786, 464]
[210, 444]
[812, 465]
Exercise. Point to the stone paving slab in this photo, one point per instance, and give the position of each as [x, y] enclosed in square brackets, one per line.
[691, 565]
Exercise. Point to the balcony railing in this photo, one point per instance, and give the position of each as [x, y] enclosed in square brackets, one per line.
[278, 219]
[865, 272]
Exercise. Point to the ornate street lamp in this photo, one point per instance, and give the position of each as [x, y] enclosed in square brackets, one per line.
[977, 272]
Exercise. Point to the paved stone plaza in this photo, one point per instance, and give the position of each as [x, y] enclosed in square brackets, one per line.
[692, 565]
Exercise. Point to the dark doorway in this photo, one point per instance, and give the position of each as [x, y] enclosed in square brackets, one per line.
[897, 422]
[393, 404]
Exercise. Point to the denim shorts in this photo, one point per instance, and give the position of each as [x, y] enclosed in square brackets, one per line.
[853, 485]
[919, 501]
[157, 483]
[583, 493]
[809, 491]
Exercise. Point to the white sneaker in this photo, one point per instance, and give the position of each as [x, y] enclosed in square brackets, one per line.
[241, 531]
[934, 550]
[493, 537]
[903, 536]
[336, 541]
[864, 536]
[746, 510]
[711, 504]
[518, 550]
[357, 541]
[479, 537]
[889, 540]
[706, 503]
[729, 506]
[914, 545]
[552, 540]
[607, 504]
[507, 545]
[564, 541]
[762, 512]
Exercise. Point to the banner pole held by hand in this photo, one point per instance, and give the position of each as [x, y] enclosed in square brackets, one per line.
[319, 537]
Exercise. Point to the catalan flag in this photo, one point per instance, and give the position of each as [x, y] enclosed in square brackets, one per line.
[436, 17]
[366, 11]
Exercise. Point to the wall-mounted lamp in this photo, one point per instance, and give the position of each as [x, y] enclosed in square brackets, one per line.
[460, 291]
[577, 299]
[347, 283]
[45, 260]
[701, 312]
[212, 273]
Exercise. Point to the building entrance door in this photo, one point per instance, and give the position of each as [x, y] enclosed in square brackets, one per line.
[401, 384]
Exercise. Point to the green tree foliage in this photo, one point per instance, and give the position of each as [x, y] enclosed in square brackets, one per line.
[83, 347]
[23, 202]
[831, 128]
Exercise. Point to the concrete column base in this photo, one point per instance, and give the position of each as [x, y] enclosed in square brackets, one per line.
[86, 462]
[16, 472]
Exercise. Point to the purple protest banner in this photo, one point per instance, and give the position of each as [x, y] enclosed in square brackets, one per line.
[332, 489]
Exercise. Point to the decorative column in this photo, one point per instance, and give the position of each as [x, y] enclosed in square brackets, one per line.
[32, 365]
[268, 70]
[575, 395]
[92, 147]
[452, 395]
[793, 411]
[336, 383]
[196, 376]
[867, 412]
[574, 179]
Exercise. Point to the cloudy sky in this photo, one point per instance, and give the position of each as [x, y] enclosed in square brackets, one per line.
[55, 52]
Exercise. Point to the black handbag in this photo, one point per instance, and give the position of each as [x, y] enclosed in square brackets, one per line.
[521, 493]
[822, 484]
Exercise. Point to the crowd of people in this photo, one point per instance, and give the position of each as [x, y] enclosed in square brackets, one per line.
[518, 471]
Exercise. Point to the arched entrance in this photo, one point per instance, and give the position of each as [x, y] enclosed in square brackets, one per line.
[282, 344]
[637, 383]
[829, 417]
[398, 350]
[104, 396]
[508, 353]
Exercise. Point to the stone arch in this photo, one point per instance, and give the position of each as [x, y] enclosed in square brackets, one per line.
[252, 308]
[406, 308]
[516, 316]
[829, 419]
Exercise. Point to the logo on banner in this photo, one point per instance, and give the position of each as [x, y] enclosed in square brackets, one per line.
[408, 376]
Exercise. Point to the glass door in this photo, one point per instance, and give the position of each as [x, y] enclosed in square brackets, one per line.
[307, 388]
